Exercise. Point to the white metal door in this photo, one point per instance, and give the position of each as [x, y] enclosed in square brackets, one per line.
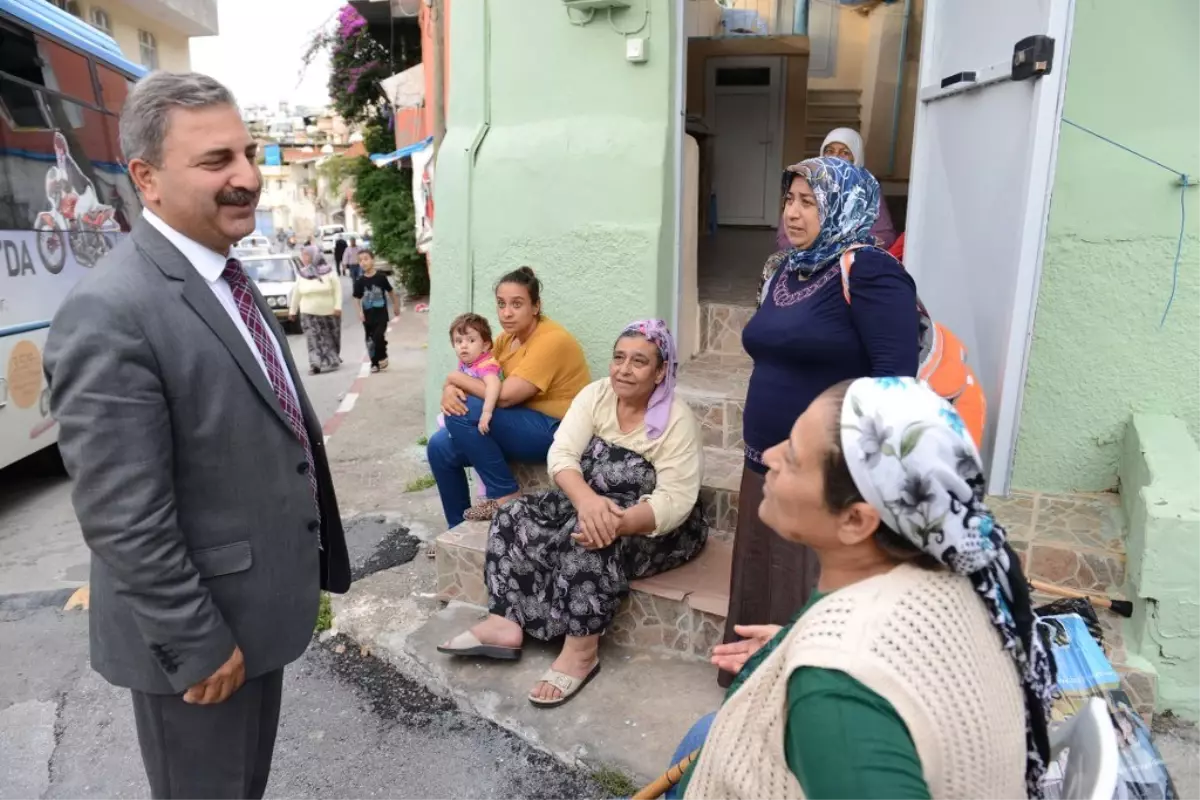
[744, 109]
[983, 166]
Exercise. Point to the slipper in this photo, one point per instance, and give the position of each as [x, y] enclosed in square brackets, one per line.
[466, 644]
[569, 685]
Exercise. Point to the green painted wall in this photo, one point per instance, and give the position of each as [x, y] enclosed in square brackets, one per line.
[1098, 354]
[573, 173]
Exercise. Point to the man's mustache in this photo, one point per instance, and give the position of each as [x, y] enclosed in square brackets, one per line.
[237, 197]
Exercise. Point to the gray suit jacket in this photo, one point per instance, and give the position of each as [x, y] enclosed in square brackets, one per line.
[190, 487]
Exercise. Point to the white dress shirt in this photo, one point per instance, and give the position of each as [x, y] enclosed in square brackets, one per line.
[211, 266]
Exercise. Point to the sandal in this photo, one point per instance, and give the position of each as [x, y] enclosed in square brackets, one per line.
[467, 644]
[481, 512]
[569, 685]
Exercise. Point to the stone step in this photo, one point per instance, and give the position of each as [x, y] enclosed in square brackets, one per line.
[681, 612]
[1071, 540]
[721, 327]
[714, 385]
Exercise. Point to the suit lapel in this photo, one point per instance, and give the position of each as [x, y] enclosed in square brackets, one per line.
[199, 295]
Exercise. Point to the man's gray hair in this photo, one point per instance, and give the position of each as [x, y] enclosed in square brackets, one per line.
[145, 116]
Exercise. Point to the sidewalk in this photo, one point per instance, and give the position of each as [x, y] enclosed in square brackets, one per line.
[630, 718]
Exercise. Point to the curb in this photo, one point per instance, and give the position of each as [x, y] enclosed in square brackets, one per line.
[330, 426]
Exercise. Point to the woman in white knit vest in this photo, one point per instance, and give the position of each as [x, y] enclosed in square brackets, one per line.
[913, 671]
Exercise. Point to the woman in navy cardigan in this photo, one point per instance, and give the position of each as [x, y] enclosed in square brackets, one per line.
[807, 336]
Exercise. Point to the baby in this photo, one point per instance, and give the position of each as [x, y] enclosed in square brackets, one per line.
[472, 339]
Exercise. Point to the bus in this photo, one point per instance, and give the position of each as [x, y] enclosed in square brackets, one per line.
[65, 194]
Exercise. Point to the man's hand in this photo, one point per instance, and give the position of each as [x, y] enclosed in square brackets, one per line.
[361, 318]
[454, 401]
[291, 317]
[337, 312]
[219, 686]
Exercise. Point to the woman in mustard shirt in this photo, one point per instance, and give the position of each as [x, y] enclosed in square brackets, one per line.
[544, 368]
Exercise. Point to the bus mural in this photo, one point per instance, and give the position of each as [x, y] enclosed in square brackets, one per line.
[90, 225]
[65, 196]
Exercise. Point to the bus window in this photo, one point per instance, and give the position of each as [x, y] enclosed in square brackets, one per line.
[19, 58]
[66, 71]
[114, 87]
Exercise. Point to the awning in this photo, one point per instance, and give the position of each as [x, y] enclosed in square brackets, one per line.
[406, 89]
[382, 160]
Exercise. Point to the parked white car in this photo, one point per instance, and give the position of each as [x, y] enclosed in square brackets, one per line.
[329, 235]
[255, 243]
[276, 276]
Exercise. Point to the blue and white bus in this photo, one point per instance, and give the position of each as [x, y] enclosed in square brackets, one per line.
[65, 195]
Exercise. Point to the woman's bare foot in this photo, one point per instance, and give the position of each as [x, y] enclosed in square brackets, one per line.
[498, 631]
[577, 659]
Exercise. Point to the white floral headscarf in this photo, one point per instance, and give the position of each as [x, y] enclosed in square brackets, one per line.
[913, 460]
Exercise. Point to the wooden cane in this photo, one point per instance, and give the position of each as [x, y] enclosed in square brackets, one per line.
[661, 785]
[1122, 607]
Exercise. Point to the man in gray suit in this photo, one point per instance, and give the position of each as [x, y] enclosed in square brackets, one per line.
[201, 479]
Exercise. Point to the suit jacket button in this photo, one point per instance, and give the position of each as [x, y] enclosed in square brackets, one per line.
[312, 526]
[302, 467]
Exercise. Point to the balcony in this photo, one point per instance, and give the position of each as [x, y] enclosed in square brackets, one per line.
[190, 17]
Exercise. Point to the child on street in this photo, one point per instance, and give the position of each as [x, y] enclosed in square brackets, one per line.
[372, 290]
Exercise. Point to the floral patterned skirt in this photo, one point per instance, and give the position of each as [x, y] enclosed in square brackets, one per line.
[324, 338]
[542, 579]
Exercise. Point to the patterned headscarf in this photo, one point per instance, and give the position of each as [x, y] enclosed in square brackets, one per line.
[848, 205]
[658, 411]
[912, 459]
[317, 266]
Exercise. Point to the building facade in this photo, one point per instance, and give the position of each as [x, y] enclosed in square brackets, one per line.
[153, 33]
[565, 151]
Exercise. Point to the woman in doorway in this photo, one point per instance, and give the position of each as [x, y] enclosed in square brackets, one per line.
[627, 462]
[544, 368]
[846, 144]
[804, 338]
[317, 300]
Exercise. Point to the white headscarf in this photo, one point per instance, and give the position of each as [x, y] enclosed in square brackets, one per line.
[848, 137]
[912, 459]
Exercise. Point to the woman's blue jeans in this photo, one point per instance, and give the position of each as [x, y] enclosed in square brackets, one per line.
[516, 434]
[693, 740]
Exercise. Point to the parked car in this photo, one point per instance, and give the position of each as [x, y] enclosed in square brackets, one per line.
[328, 236]
[276, 276]
[255, 242]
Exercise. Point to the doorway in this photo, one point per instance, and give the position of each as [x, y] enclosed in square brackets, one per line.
[939, 76]
[744, 109]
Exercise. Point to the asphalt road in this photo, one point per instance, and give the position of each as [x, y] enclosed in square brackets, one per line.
[351, 727]
[40, 545]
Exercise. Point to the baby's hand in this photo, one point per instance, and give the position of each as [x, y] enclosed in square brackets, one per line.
[485, 422]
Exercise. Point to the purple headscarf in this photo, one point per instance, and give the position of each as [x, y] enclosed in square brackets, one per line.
[658, 411]
[318, 266]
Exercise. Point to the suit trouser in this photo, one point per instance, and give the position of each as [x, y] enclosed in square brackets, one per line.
[212, 751]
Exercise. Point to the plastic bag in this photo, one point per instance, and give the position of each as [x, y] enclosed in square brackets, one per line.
[1084, 672]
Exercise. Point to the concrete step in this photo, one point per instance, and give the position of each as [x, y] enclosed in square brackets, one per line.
[833, 96]
[1069, 540]
[681, 612]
